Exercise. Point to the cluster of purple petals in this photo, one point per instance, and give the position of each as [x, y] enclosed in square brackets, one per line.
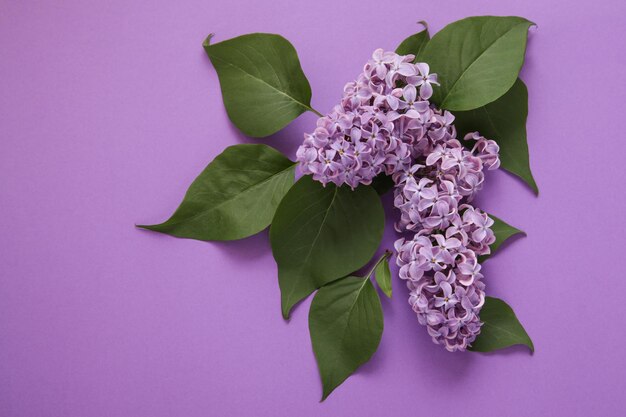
[443, 275]
[378, 125]
[385, 124]
[446, 174]
[440, 263]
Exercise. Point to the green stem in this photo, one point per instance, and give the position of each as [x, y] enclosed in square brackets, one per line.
[385, 255]
[315, 111]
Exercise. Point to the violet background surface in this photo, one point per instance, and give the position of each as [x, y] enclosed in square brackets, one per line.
[108, 111]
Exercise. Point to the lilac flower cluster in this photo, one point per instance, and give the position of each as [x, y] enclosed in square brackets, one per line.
[385, 124]
[444, 279]
[376, 127]
[440, 263]
[429, 193]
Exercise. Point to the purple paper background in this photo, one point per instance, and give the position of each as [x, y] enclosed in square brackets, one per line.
[109, 109]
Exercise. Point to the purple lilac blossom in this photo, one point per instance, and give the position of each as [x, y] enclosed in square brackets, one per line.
[385, 124]
[378, 126]
[440, 263]
[443, 275]
[446, 174]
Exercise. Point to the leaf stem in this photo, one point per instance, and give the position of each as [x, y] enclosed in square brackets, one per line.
[384, 256]
[315, 111]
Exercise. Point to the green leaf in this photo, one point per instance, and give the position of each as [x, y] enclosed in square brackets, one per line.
[234, 197]
[320, 234]
[414, 44]
[382, 183]
[346, 325]
[263, 85]
[502, 231]
[383, 274]
[477, 59]
[501, 328]
[504, 121]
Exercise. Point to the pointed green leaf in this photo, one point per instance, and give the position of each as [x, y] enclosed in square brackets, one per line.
[414, 44]
[501, 328]
[263, 85]
[320, 234]
[383, 275]
[504, 121]
[346, 325]
[234, 197]
[502, 231]
[477, 59]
